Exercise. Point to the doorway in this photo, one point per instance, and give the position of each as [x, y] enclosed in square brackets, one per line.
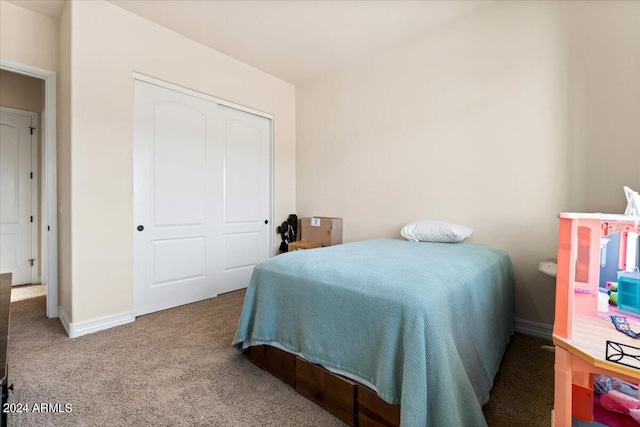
[48, 179]
[19, 172]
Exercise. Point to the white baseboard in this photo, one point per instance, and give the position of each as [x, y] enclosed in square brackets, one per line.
[64, 319]
[78, 329]
[536, 329]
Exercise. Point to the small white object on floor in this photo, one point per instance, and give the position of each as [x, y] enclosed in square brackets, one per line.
[603, 302]
[549, 268]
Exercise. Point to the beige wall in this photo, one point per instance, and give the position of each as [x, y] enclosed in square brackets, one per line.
[64, 163]
[466, 124]
[21, 92]
[27, 93]
[604, 103]
[32, 39]
[498, 120]
[28, 37]
[107, 45]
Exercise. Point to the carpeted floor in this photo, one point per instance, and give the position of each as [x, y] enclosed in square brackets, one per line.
[22, 292]
[177, 368]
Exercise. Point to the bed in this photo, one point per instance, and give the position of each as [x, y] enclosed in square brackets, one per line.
[424, 325]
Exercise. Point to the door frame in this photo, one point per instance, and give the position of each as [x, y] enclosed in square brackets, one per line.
[33, 253]
[49, 179]
[164, 84]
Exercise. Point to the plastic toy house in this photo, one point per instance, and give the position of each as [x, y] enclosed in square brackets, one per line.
[587, 342]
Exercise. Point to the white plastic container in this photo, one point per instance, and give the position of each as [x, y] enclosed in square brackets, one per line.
[603, 302]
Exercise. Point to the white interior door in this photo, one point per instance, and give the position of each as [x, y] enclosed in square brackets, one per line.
[246, 209]
[16, 214]
[191, 177]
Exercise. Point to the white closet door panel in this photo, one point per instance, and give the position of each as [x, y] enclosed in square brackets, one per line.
[9, 248]
[246, 199]
[172, 182]
[178, 174]
[15, 197]
[9, 172]
[242, 172]
[241, 250]
[178, 259]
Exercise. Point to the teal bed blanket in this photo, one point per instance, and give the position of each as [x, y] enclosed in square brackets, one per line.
[423, 324]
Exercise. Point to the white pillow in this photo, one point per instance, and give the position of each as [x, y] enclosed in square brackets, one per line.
[435, 231]
[633, 202]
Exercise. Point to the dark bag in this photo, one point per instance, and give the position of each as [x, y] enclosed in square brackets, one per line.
[288, 231]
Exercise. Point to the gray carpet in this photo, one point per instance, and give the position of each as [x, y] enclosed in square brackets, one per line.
[177, 368]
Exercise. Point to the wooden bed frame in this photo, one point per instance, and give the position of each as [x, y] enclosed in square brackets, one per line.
[348, 400]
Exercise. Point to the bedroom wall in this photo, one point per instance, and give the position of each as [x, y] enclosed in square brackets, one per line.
[64, 163]
[604, 101]
[32, 39]
[107, 46]
[28, 37]
[21, 92]
[466, 124]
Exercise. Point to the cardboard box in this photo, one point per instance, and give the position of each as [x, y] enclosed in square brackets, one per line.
[299, 245]
[322, 229]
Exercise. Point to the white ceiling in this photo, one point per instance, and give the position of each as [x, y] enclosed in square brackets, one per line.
[293, 40]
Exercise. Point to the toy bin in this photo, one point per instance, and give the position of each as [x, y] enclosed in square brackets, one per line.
[629, 292]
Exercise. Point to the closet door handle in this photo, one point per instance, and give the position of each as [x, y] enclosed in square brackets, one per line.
[140, 227]
[266, 221]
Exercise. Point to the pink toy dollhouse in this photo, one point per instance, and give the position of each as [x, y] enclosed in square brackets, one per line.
[581, 335]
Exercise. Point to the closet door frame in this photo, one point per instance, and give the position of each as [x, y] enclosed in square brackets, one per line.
[186, 91]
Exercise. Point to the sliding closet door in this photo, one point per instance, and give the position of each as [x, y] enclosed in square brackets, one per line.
[245, 239]
[193, 173]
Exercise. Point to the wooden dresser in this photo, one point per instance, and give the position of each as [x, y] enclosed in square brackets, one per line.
[5, 303]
